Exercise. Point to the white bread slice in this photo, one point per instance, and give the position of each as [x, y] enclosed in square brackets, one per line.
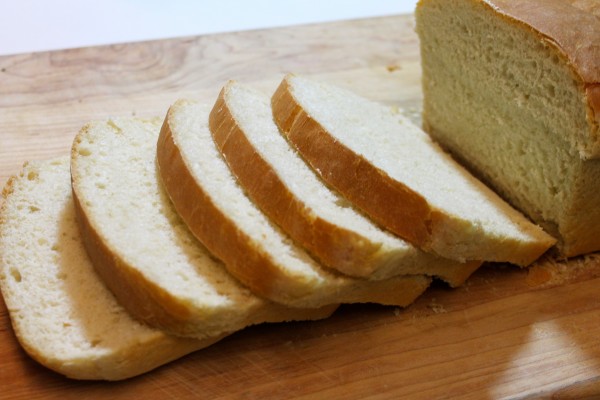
[217, 211]
[393, 171]
[61, 312]
[289, 192]
[142, 249]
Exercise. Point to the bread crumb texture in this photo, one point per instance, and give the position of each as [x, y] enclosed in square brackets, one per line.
[61, 312]
[509, 91]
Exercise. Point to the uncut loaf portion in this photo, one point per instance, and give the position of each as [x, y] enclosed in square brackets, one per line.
[396, 174]
[512, 89]
[61, 312]
[143, 251]
[291, 194]
[215, 208]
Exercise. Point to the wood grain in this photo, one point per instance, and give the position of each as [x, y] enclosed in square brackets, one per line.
[508, 333]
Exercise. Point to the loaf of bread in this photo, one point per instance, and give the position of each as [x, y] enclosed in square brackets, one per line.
[396, 174]
[254, 250]
[512, 88]
[142, 249]
[291, 194]
[61, 312]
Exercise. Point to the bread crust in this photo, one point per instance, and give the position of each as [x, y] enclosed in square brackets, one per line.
[248, 263]
[368, 187]
[572, 28]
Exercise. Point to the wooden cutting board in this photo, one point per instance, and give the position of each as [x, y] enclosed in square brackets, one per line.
[507, 333]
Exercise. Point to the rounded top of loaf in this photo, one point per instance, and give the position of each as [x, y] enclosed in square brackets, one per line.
[573, 27]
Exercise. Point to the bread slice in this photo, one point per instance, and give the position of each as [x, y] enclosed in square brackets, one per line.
[215, 208]
[142, 249]
[290, 193]
[393, 171]
[512, 89]
[61, 312]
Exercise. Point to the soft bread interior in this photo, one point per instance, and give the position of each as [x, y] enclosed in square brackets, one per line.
[62, 313]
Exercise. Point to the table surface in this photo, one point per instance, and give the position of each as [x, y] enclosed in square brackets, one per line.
[507, 333]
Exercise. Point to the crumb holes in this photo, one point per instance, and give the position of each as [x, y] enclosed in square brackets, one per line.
[96, 342]
[116, 128]
[66, 325]
[100, 185]
[42, 241]
[32, 175]
[82, 151]
[34, 209]
[14, 272]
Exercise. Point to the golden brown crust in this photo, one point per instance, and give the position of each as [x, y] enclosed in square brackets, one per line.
[368, 187]
[336, 247]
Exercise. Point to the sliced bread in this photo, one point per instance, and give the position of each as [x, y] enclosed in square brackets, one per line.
[291, 194]
[217, 211]
[61, 312]
[396, 174]
[142, 249]
[512, 89]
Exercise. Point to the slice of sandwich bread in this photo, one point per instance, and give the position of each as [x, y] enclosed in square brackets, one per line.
[257, 252]
[141, 248]
[61, 312]
[396, 174]
[292, 195]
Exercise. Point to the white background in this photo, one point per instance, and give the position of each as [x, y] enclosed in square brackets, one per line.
[36, 25]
